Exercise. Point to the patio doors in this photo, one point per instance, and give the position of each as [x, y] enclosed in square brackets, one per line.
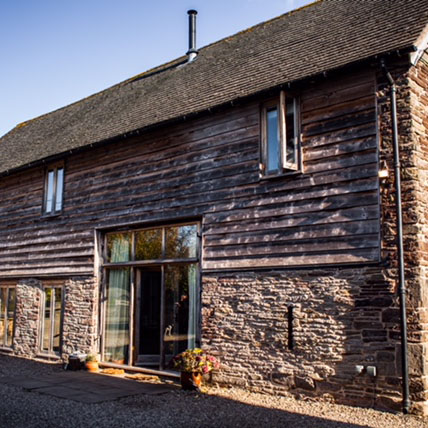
[151, 295]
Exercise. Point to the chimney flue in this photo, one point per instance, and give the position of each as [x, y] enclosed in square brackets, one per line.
[192, 52]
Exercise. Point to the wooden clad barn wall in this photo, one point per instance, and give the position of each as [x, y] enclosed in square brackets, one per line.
[208, 168]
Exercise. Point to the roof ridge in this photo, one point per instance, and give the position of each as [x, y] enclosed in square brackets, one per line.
[161, 68]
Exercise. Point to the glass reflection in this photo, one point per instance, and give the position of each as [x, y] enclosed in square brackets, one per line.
[181, 299]
[181, 242]
[148, 245]
[272, 140]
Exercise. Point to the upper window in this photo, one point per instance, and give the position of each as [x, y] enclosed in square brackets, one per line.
[280, 151]
[54, 190]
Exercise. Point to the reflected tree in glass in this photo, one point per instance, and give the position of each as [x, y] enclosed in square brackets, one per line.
[181, 242]
[148, 245]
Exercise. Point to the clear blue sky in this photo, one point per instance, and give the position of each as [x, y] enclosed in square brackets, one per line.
[55, 52]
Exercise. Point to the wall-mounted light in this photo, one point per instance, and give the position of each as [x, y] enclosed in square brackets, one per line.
[383, 170]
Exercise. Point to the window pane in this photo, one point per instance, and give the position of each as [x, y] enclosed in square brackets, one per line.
[10, 315]
[118, 247]
[57, 320]
[148, 244]
[3, 300]
[50, 191]
[59, 188]
[117, 316]
[47, 320]
[181, 242]
[290, 125]
[181, 299]
[272, 131]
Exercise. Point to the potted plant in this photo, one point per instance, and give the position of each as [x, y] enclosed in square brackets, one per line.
[92, 363]
[193, 364]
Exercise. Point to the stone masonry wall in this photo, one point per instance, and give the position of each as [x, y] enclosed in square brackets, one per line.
[80, 316]
[27, 313]
[412, 112]
[80, 312]
[418, 84]
[343, 318]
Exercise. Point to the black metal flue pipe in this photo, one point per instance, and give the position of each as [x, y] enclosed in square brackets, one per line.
[192, 52]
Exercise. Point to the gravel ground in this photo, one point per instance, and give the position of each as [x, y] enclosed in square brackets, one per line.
[217, 408]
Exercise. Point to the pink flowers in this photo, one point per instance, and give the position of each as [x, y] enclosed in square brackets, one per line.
[195, 360]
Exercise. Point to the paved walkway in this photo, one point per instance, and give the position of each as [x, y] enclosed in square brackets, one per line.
[85, 387]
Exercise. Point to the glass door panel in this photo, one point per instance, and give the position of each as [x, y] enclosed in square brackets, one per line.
[181, 308]
[117, 339]
[52, 320]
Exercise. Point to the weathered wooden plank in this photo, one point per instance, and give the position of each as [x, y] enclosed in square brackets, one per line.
[341, 135]
[343, 161]
[295, 233]
[323, 217]
[345, 107]
[342, 122]
[306, 247]
[357, 256]
[341, 148]
[329, 203]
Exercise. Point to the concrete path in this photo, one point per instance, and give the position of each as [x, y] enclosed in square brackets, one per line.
[85, 387]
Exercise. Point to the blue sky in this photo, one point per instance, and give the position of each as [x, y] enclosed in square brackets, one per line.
[55, 52]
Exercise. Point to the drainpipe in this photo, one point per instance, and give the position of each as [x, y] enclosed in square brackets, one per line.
[399, 213]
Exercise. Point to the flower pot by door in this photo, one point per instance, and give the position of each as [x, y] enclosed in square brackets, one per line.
[190, 381]
[92, 366]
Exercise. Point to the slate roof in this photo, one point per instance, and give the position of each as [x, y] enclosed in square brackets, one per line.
[322, 36]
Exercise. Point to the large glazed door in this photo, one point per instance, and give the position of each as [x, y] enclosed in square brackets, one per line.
[150, 295]
[167, 313]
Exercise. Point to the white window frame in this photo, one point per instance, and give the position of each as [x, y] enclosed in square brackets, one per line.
[284, 164]
[54, 190]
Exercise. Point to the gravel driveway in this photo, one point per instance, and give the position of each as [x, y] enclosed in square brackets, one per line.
[218, 408]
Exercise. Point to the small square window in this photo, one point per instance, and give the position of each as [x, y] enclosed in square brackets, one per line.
[54, 186]
[280, 150]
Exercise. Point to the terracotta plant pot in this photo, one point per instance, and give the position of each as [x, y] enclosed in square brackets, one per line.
[190, 381]
[92, 366]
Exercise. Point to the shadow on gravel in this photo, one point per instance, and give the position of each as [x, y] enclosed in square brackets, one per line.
[40, 401]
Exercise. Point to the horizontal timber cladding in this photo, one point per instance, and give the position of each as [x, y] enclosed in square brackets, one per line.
[208, 168]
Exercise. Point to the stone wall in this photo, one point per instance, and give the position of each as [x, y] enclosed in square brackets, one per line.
[412, 112]
[344, 317]
[80, 312]
[80, 316]
[418, 175]
[27, 313]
